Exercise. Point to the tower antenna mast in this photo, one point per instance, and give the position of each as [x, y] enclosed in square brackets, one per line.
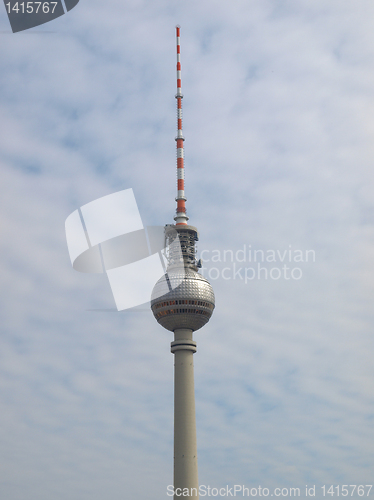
[181, 217]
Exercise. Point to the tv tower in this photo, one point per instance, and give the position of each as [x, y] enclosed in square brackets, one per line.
[182, 302]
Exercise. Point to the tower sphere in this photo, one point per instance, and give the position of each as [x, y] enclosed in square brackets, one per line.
[188, 305]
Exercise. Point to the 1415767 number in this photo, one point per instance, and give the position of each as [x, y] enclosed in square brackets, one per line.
[345, 490]
[31, 7]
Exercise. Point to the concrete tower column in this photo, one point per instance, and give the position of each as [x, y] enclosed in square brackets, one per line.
[185, 448]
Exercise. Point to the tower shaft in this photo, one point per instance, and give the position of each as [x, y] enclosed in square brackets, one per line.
[185, 448]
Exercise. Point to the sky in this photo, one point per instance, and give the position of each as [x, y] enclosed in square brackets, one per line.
[278, 116]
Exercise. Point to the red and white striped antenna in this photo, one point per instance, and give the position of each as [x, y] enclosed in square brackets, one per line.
[181, 217]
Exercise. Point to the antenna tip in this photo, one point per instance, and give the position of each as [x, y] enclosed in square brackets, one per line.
[178, 26]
